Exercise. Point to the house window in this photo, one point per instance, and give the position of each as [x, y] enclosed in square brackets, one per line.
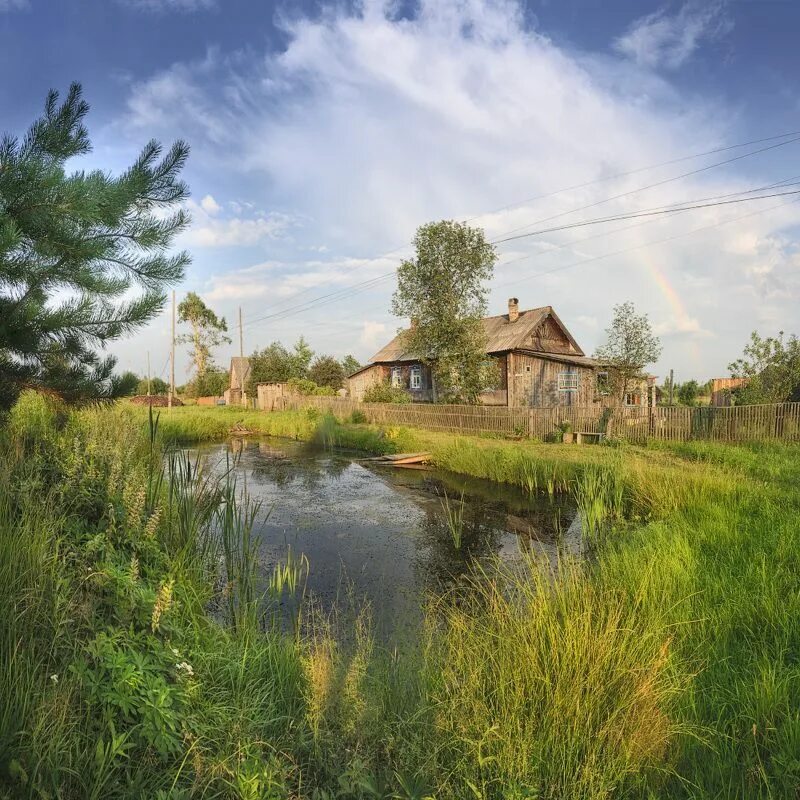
[567, 381]
[633, 399]
[397, 376]
[603, 383]
[416, 377]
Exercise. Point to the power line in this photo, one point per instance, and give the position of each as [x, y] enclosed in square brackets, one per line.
[645, 244]
[357, 288]
[633, 172]
[644, 213]
[592, 205]
[651, 186]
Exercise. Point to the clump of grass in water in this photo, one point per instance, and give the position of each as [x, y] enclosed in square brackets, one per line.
[454, 516]
[285, 579]
[599, 494]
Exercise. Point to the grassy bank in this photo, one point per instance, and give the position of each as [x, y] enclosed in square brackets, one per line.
[664, 667]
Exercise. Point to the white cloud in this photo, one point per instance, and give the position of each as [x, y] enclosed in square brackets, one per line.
[365, 126]
[210, 230]
[373, 334]
[210, 205]
[668, 40]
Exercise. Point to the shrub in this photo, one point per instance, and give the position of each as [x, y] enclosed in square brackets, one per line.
[358, 417]
[307, 387]
[386, 393]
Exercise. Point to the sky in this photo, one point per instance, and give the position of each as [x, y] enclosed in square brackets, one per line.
[323, 134]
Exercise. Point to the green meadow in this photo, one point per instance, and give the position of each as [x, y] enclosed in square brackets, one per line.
[138, 660]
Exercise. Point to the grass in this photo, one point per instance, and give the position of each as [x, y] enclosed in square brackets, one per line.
[138, 659]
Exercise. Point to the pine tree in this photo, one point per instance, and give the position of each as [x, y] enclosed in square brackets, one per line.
[83, 256]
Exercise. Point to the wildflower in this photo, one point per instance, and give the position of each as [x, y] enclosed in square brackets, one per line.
[175, 652]
[152, 523]
[134, 568]
[54, 678]
[186, 667]
[163, 602]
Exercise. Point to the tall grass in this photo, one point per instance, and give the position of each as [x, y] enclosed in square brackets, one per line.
[138, 657]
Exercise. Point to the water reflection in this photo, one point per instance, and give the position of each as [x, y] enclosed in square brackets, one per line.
[381, 533]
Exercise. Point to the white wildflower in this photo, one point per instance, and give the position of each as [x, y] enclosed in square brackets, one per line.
[186, 667]
[54, 678]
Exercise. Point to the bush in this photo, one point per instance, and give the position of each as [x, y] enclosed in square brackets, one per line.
[307, 387]
[386, 393]
[358, 417]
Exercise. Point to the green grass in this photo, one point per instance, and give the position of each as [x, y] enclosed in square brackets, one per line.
[665, 665]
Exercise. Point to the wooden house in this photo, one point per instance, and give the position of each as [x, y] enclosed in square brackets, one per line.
[235, 394]
[539, 364]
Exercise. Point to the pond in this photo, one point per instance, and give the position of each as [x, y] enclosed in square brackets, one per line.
[380, 534]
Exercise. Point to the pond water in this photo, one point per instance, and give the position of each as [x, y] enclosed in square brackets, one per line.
[379, 533]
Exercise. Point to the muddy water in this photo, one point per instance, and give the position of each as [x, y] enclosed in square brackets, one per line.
[379, 533]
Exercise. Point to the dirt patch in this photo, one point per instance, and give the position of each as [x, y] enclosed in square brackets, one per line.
[157, 400]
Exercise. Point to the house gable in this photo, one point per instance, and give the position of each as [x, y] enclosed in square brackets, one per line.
[551, 336]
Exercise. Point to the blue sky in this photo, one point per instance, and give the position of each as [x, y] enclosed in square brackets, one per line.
[323, 134]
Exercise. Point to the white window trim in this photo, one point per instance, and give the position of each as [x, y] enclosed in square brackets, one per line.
[416, 377]
[397, 377]
[606, 390]
[568, 381]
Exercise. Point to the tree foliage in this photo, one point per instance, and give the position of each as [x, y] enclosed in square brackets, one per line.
[212, 383]
[327, 371]
[630, 346]
[276, 364]
[771, 367]
[83, 256]
[442, 290]
[688, 393]
[127, 384]
[156, 386]
[350, 365]
[207, 331]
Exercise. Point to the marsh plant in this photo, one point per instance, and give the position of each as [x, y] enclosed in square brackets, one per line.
[454, 517]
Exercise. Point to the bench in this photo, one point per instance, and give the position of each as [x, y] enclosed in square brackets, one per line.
[592, 436]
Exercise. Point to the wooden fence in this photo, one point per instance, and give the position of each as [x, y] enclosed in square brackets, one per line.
[667, 423]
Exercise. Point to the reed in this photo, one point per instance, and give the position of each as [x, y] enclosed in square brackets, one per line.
[454, 517]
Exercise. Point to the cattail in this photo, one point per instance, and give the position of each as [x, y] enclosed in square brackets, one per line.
[162, 604]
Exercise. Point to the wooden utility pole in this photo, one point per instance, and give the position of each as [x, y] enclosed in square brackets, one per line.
[172, 357]
[148, 373]
[671, 382]
[241, 334]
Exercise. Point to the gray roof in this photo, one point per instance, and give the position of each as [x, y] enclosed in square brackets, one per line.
[501, 335]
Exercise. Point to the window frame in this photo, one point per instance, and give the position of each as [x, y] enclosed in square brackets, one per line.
[633, 394]
[603, 390]
[415, 377]
[397, 377]
[568, 381]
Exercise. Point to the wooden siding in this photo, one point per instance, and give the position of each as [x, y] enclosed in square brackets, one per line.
[359, 383]
[535, 382]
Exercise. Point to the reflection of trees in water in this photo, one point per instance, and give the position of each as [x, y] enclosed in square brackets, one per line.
[270, 465]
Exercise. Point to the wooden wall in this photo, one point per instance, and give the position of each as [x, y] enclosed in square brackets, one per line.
[359, 383]
[534, 382]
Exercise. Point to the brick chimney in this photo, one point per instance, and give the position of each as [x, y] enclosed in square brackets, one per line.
[513, 309]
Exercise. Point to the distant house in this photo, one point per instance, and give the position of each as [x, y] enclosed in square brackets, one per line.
[540, 364]
[235, 394]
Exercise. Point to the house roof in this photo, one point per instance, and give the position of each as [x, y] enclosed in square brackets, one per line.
[240, 371]
[501, 335]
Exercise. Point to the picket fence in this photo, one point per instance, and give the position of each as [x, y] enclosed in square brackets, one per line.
[667, 423]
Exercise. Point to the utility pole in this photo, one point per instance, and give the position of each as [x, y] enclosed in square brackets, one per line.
[671, 382]
[148, 373]
[241, 334]
[172, 357]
